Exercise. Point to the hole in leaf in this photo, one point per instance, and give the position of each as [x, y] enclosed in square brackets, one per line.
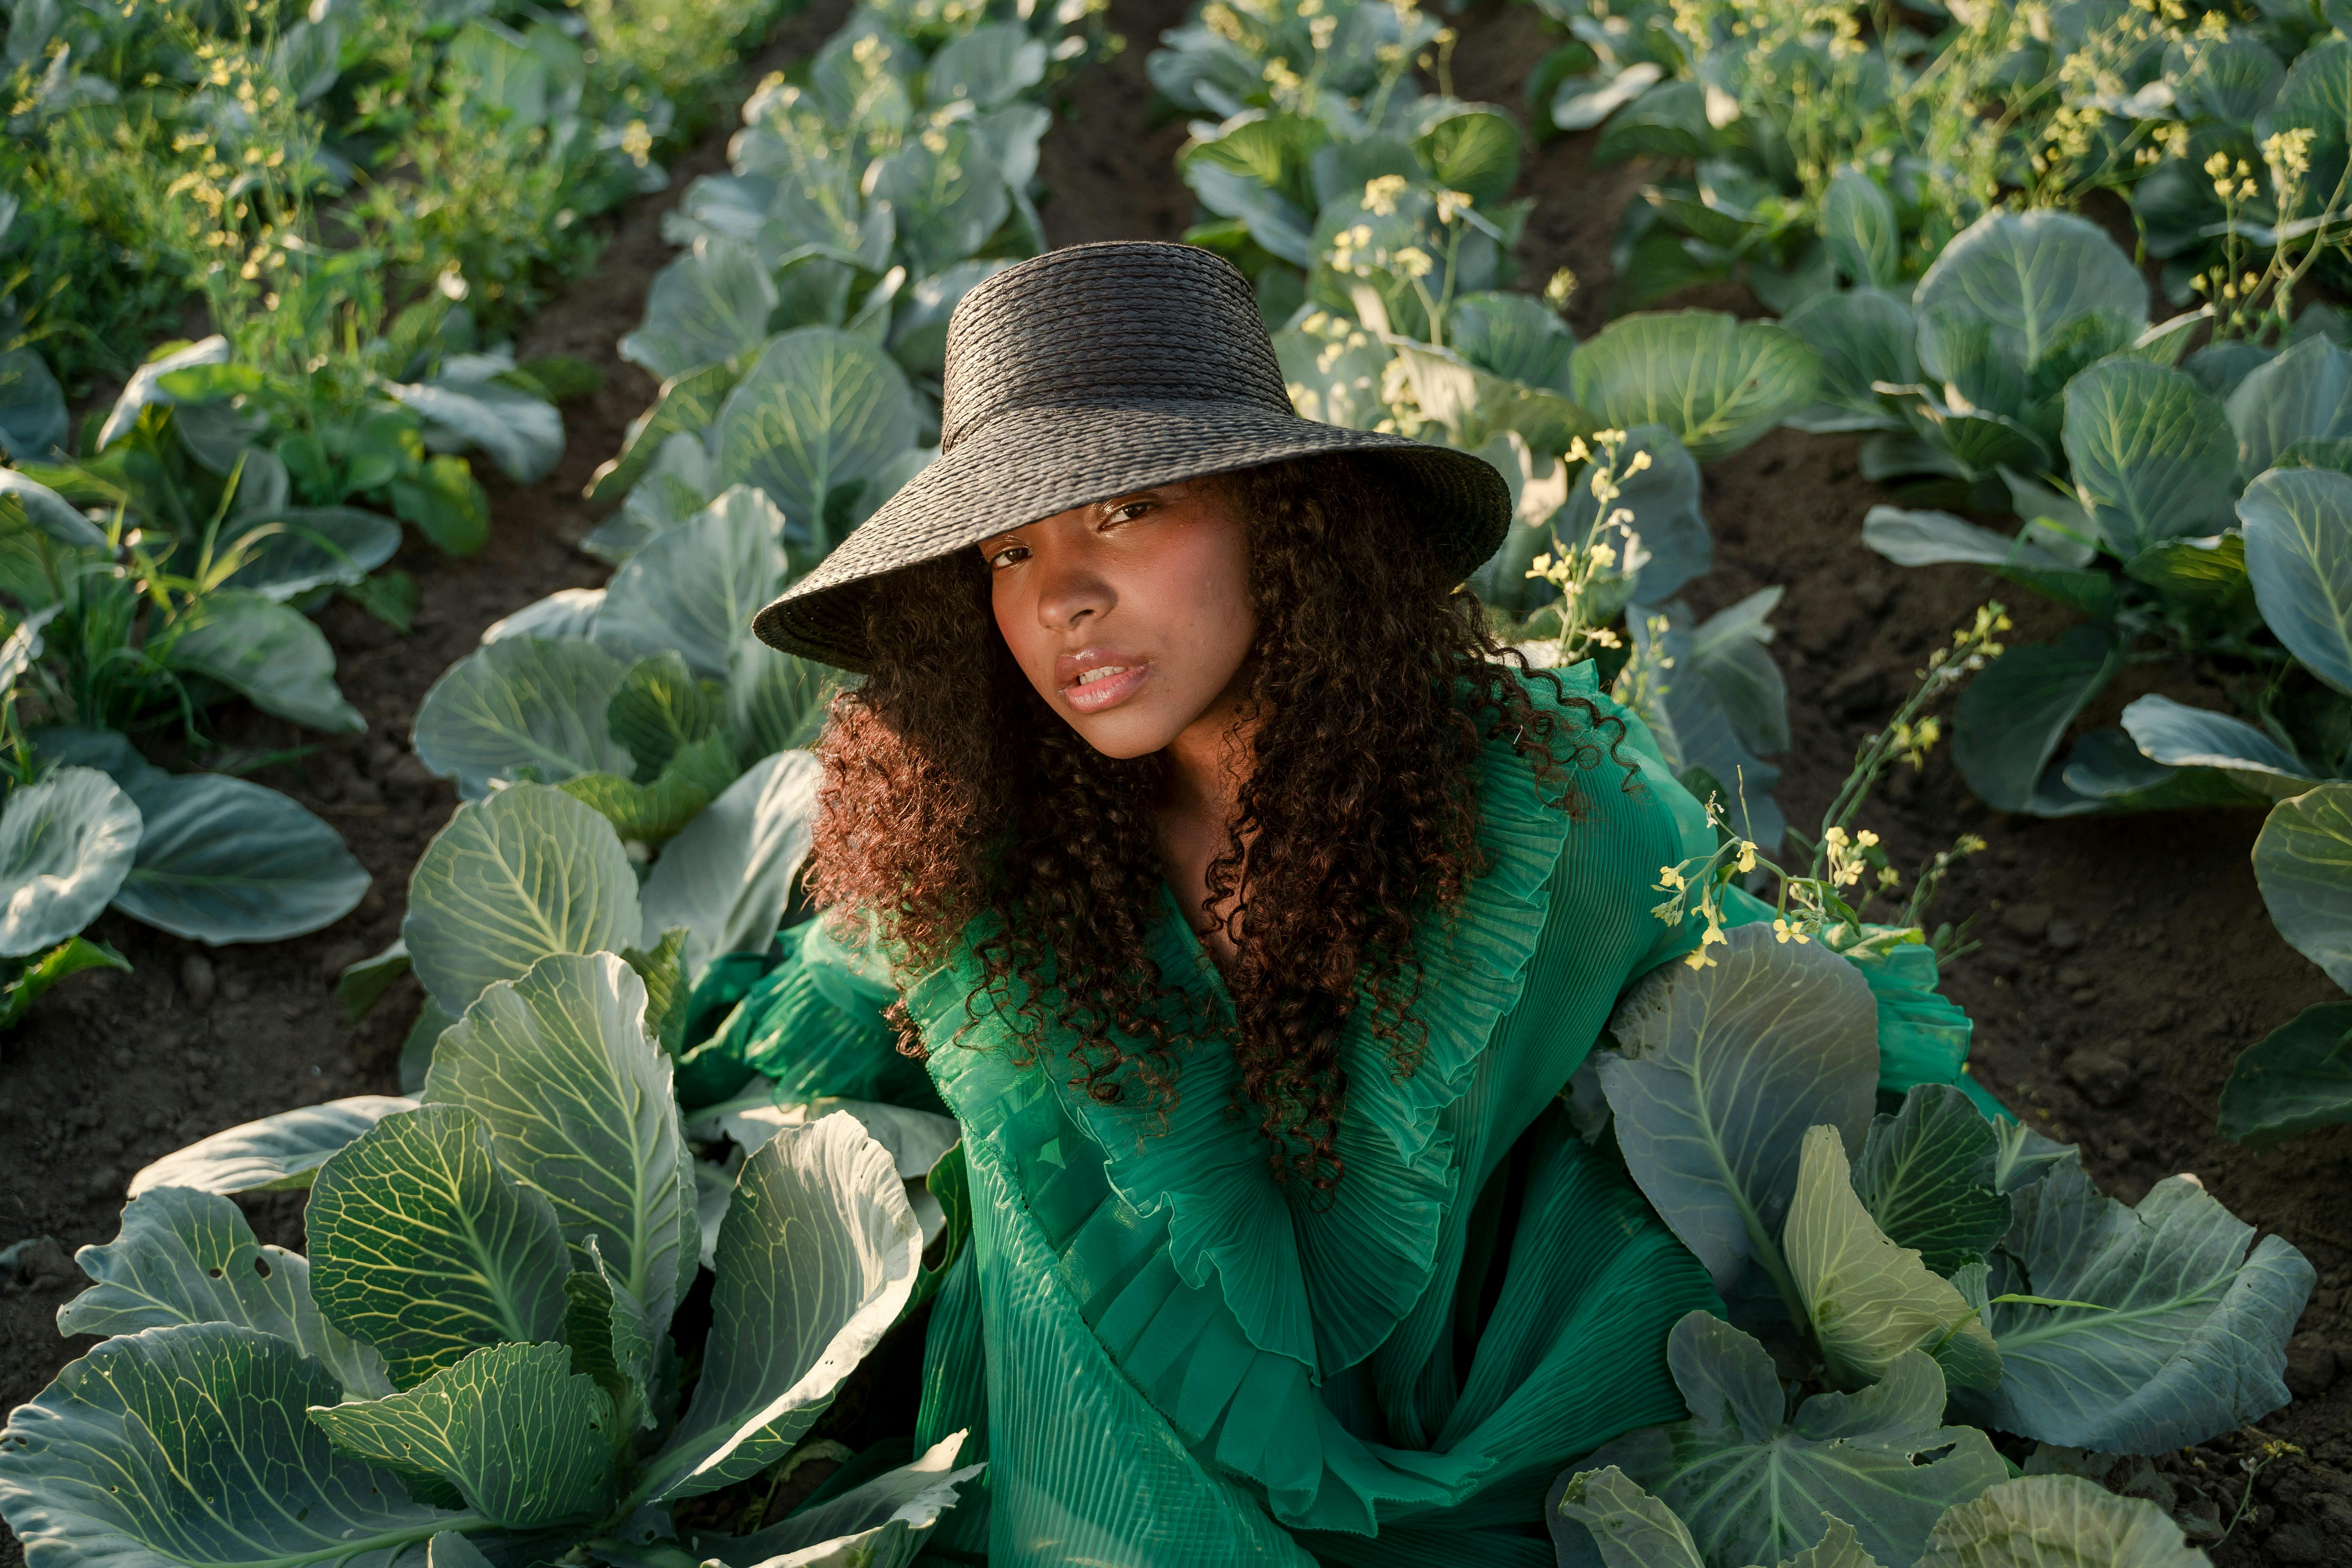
[214, 1272]
[261, 1266]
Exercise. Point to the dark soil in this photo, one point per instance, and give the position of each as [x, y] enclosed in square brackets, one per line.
[2126, 963]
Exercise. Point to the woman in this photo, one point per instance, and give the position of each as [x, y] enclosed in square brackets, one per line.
[1250, 911]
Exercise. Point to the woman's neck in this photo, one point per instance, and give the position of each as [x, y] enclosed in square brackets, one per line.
[1208, 762]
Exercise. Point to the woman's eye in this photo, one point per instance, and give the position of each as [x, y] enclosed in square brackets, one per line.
[1126, 512]
[1008, 555]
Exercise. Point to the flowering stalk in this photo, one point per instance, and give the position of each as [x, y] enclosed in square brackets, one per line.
[2257, 306]
[1593, 571]
[1830, 899]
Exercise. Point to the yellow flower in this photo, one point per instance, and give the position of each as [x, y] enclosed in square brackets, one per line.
[1380, 197]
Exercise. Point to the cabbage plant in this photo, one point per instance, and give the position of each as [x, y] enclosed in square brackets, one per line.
[1797, 155]
[2033, 325]
[501, 1257]
[1904, 1264]
[534, 871]
[800, 337]
[86, 824]
[2013, 1523]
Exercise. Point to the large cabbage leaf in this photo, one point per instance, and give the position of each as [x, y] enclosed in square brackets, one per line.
[1634, 1529]
[517, 1433]
[2018, 301]
[224, 859]
[2303, 862]
[577, 1098]
[66, 843]
[1718, 1072]
[695, 587]
[728, 876]
[2186, 1333]
[2298, 1076]
[527, 873]
[710, 304]
[821, 409]
[186, 1257]
[423, 1247]
[191, 1445]
[270, 654]
[1870, 1299]
[279, 1152]
[2304, 395]
[816, 1256]
[2008, 721]
[220, 859]
[2151, 453]
[882, 1523]
[1754, 1483]
[522, 707]
[1927, 1176]
[1863, 336]
[2033, 1519]
[1715, 381]
[2180, 736]
[2298, 526]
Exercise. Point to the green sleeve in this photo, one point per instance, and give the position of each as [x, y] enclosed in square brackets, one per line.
[815, 1024]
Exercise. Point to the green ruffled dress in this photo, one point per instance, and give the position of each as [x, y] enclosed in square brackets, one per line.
[1167, 1357]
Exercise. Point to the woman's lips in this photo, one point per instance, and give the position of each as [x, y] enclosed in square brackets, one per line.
[1104, 683]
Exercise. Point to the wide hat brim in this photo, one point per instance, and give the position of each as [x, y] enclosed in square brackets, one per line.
[1028, 464]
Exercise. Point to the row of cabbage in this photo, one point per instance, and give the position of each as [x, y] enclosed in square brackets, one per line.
[240, 481]
[1771, 118]
[1741, 1090]
[189, 152]
[2189, 503]
[505, 1246]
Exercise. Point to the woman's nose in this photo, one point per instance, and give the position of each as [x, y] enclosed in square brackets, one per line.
[1069, 594]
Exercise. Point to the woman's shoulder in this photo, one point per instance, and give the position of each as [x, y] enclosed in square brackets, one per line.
[1616, 770]
[1600, 821]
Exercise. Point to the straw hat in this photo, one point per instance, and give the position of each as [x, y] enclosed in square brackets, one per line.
[1087, 372]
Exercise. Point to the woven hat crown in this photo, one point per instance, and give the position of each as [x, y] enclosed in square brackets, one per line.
[1097, 325]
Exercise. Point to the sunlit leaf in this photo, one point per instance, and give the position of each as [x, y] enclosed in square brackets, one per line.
[523, 707]
[816, 1256]
[270, 654]
[1715, 381]
[421, 1247]
[528, 872]
[577, 1098]
[463, 1424]
[127, 1457]
[186, 1257]
[66, 843]
[1718, 1071]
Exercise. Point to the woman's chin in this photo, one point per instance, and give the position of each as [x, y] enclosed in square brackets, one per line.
[1124, 732]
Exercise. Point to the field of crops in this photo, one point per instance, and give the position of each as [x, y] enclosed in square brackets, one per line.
[522, 352]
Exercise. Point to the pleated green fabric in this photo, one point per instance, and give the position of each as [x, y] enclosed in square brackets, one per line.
[1166, 1356]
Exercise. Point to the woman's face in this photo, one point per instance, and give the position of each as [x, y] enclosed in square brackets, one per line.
[1130, 616]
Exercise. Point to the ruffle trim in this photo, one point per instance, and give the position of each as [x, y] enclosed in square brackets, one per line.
[1326, 1287]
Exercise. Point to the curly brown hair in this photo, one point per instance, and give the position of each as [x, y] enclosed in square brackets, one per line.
[955, 800]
